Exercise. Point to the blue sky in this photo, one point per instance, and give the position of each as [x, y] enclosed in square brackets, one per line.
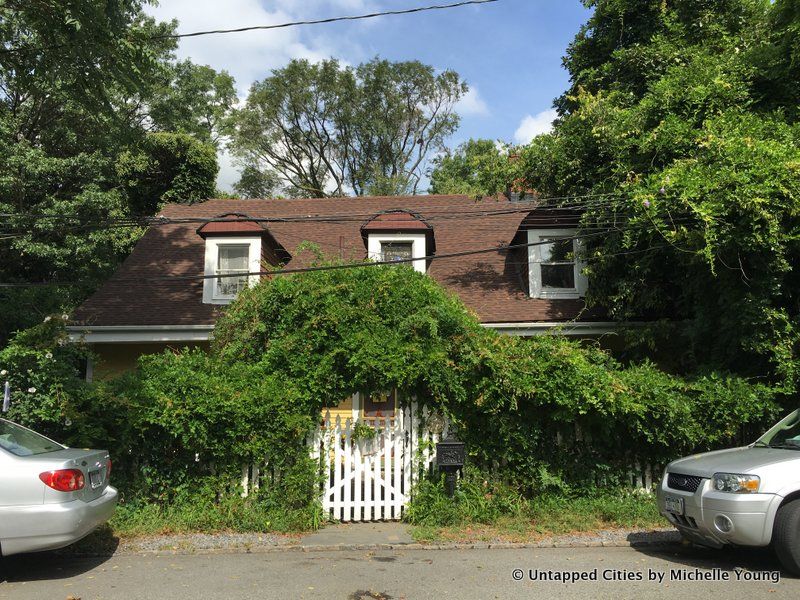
[509, 52]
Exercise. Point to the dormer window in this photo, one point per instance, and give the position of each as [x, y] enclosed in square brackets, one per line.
[233, 257]
[235, 246]
[397, 251]
[399, 235]
[554, 265]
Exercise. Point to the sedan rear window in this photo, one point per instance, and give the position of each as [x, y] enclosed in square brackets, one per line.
[24, 442]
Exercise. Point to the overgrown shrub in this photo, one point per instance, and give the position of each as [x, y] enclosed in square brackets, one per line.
[543, 414]
[551, 414]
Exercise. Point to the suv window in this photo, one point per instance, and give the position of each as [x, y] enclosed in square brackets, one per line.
[785, 434]
[24, 442]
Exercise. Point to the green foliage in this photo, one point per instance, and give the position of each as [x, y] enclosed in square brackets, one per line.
[476, 168]
[486, 508]
[545, 414]
[478, 498]
[553, 415]
[196, 100]
[256, 184]
[687, 111]
[336, 332]
[550, 414]
[82, 83]
[167, 168]
[368, 129]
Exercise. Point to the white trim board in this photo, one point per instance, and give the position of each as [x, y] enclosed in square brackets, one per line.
[418, 246]
[568, 329]
[125, 334]
[141, 334]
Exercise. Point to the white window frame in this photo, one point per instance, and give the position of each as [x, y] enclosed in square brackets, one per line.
[210, 295]
[536, 236]
[418, 247]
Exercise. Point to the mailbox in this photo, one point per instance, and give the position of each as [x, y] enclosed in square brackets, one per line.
[450, 453]
[450, 459]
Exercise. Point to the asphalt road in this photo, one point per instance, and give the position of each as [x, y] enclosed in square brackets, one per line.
[463, 574]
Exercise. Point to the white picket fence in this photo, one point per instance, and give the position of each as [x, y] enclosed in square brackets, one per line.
[370, 477]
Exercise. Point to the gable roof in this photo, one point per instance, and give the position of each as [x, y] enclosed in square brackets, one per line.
[493, 285]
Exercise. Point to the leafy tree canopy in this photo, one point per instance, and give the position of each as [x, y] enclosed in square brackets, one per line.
[476, 168]
[167, 167]
[329, 130]
[82, 85]
[684, 112]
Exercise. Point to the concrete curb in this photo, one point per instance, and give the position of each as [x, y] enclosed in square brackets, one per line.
[546, 544]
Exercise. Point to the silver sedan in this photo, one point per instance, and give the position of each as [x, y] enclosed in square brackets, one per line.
[50, 495]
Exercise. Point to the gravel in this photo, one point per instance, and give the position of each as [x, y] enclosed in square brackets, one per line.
[265, 542]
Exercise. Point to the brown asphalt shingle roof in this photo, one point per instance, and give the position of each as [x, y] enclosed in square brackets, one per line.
[493, 285]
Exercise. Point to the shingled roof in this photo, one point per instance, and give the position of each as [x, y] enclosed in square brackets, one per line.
[493, 285]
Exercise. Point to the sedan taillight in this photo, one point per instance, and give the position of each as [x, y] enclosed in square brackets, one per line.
[63, 480]
[108, 470]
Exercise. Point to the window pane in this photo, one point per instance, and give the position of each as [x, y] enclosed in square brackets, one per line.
[558, 276]
[23, 442]
[233, 258]
[230, 286]
[559, 250]
[396, 250]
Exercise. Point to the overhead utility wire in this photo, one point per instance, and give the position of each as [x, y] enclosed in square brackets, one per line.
[387, 13]
[374, 263]
[446, 210]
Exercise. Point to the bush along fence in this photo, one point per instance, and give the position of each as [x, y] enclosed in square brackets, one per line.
[542, 415]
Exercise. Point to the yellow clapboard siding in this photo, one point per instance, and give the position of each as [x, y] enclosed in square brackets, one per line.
[344, 409]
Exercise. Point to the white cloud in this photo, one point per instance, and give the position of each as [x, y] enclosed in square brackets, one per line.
[228, 171]
[471, 104]
[250, 56]
[533, 125]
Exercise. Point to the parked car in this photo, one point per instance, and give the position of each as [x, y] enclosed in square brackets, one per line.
[50, 495]
[741, 496]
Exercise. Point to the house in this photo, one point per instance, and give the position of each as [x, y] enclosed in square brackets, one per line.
[155, 299]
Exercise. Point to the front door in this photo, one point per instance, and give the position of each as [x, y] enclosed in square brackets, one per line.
[380, 404]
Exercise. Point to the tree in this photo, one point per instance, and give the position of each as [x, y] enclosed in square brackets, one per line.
[167, 167]
[697, 169]
[327, 130]
[476, 167]
[78, 79]
[196, 100]
[256, 184]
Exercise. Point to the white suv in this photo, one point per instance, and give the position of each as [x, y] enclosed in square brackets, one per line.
[742, 496]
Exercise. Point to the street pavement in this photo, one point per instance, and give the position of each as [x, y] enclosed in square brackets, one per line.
[402, 574]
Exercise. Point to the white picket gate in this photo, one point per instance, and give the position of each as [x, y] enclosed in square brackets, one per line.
[370, 477]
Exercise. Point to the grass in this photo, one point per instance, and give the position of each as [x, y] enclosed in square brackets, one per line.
[548, 516]
[486, 510]
[196, 515]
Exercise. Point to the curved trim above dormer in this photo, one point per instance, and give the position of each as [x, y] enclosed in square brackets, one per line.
[396, 219]
[243, 225]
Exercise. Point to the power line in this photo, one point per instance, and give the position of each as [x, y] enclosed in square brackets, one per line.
[431, 212]
[406, 11]
[171, 278]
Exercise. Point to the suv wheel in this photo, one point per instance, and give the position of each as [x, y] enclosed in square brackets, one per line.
[786, 536]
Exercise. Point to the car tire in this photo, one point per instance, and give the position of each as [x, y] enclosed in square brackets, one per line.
[786, 536]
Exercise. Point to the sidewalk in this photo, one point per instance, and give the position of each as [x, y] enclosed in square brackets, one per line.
[359, 536]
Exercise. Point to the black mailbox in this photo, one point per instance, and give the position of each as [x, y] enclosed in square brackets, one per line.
[449, 459]
[450, 453]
